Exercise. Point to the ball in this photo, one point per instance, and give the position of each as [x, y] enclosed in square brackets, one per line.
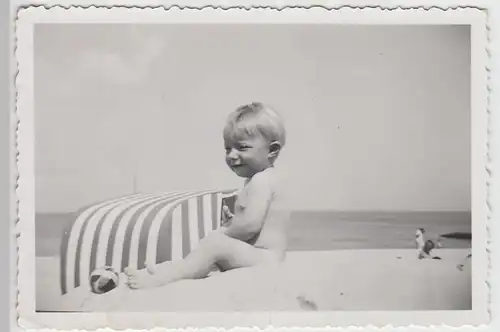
[103, 280]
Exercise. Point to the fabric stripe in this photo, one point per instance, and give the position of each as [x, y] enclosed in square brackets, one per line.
[193, 223]
[95, 242]
[152, 241]
[219, 210]
[86, 247]
[143, 234]
[64, 256]
[214, 211]
[75, 237]
[185, 226]
[124, 219]
[83, 262]
[132, 229]
[74, 269]
[101, 236]
[130, 246]
[177, 238]
[201, 220]
[164, 248]
[207, 213]
[137, 229]
[120, 251]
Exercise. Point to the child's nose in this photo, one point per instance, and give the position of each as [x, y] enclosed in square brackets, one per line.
[232, 154]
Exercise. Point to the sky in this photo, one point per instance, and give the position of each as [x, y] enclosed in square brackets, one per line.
[377, 117]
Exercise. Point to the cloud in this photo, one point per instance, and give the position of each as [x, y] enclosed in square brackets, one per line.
[129, 66]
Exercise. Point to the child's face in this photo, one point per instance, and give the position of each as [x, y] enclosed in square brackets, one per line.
[247, 156]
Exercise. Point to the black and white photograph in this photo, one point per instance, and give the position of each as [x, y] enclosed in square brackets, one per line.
[252, 162]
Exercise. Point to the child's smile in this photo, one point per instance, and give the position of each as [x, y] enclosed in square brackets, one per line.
[248, 156]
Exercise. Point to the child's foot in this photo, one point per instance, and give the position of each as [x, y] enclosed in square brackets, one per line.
[136, 280]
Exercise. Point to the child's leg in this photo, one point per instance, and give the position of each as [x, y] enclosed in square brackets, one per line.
[216, 248]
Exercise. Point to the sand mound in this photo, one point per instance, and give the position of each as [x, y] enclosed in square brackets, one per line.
[315, 280]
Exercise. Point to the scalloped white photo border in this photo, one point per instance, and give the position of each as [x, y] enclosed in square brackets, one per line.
[31, 15]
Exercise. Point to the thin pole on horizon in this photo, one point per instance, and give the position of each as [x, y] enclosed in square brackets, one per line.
[135, 182]
[135, 148]
[134, 176]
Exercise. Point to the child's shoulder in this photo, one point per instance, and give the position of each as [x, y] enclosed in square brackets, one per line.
[266, 177]
[264, 184]
[264, 181]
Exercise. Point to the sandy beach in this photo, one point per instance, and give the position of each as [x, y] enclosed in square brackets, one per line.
[385, 279]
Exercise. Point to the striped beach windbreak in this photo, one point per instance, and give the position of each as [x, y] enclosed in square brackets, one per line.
[138, 229]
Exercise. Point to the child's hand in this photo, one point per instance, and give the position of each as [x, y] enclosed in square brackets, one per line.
[227, 215]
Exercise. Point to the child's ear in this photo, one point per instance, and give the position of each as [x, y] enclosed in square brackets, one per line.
[274, 149]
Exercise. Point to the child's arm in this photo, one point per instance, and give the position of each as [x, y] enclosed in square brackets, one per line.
[247, 224]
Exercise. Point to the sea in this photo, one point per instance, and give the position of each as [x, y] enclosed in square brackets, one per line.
[319, 230]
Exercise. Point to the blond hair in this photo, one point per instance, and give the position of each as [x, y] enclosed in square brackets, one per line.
[255, 119]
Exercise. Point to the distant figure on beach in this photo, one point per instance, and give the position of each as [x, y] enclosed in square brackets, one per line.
[419, 240]
[424, 247]
[462, 264]
[254, 234]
